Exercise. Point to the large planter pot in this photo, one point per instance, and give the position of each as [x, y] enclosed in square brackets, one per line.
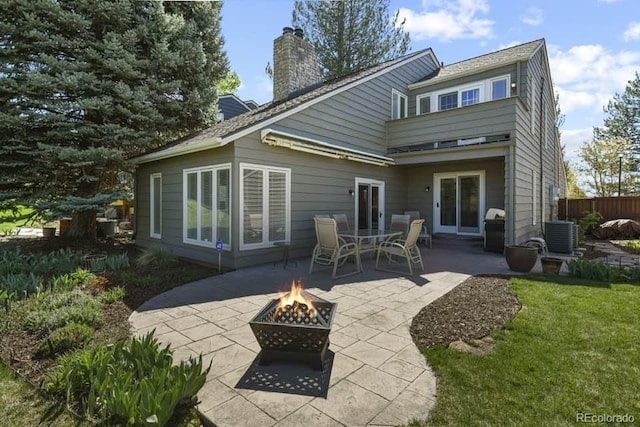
[551, 265]
[520, 258]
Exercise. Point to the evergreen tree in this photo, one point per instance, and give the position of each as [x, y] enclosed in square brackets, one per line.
[85, 84]
[624, 115]
[351, 34]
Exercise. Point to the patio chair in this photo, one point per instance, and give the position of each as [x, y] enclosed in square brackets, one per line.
[332, 250]
[399, 248]
[342, 222]
[400, 223]
[424, 234]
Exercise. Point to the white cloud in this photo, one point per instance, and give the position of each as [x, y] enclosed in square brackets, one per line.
[572, 140]
[532, 16]
[448, 20]
[632, 32]
[587, 76]
[608, 1]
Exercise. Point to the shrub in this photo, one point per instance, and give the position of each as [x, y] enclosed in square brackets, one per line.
[66, 282]
[595, 270]
[68, 337]
[590, 220]
[131, 382]
[117, 262]
[97, 284]
[55, 310]
[21, 285]
[112, 295]
[156, 256]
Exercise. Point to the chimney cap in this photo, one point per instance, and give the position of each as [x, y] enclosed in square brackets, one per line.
[287, 30]
[298, 32]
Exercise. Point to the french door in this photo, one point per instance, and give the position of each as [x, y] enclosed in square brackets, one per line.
[458, 202]
[369, 202]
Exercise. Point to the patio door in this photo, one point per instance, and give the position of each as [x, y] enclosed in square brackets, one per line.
[369, 204]
[458, 202]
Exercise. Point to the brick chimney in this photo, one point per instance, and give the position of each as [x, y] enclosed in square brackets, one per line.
[295, 65]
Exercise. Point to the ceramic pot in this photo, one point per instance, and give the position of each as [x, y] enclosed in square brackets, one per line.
[520, 258]
[551, 265]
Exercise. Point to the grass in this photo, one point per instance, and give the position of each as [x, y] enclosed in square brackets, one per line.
[21, 405]
[10, 220]
[572, 349]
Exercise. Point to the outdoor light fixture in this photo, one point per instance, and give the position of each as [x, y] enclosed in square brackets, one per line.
[351, 192]
[427, 189]
[513, 85]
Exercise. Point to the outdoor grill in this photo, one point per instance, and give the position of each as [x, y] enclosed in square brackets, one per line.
[294, 327]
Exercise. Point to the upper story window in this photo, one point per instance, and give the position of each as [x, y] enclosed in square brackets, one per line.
[448, 101]
[423, 104]
[470, 96]
[155, 223]
[499, 87]
[398, 105]
[461, 96]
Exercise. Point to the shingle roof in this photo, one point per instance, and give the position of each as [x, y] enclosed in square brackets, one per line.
[509, 55]
[272, 109]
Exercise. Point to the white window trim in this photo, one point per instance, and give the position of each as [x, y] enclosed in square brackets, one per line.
[506, 77]
[265, 203]
[532, 104]
[418, 99]
[401, 98]
[534, 197]
[152, 204]
[485, 87]
[214, 202]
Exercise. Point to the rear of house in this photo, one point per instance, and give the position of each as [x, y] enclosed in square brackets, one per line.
[407, 134]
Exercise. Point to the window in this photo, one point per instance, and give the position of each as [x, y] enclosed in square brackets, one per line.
[499, 88]
[423, 104]
[448, 101]
[398, 105]
[265, 194]
[470, 97]
[207, 196]
[155, 217]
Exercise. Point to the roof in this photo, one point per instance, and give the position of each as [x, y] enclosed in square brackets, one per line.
[231, 106]
[506, 56]
[220, 133]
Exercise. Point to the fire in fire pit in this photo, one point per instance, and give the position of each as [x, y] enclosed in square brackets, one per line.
[294, 327]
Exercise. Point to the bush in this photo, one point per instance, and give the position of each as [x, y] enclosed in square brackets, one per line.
[20, 285]
[66, 282]
[112, 295]
[133, 382]
[68, 337]
[156, 256]
[598, 271]
[590, 221]
[53, 263]
[55, 310]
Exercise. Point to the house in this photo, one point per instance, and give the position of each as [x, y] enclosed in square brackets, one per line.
[450, 141]
[230, 106]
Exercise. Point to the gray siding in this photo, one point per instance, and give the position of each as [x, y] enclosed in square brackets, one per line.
[356, 118]
[172, 203]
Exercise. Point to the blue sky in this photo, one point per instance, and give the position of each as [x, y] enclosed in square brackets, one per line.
[593, 45]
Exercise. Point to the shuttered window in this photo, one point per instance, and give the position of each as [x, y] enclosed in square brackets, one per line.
[264, 206]
[155, 217]
[207, 193]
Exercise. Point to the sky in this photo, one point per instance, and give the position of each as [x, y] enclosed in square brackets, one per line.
[593, 45]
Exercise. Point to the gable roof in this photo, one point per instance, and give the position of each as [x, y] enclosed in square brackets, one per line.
[480, 63]
[230, 106]
[224, 132]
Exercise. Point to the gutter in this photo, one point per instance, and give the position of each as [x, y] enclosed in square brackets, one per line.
[178, 151]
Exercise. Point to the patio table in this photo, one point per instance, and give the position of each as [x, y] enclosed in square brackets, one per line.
[360, 236]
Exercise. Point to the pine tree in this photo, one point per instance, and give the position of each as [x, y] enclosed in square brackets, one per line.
[85, 84]
[351, 34]
[623, 112]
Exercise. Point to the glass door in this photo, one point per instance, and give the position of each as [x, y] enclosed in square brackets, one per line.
[458, 203]
[369, 204]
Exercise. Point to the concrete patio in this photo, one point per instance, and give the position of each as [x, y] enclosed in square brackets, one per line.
[373, 374]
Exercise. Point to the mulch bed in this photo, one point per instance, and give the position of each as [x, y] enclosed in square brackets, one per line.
[474, 309]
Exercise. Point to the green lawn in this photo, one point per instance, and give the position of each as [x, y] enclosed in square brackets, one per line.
[572, 349]
[10, 220]
[21, 405]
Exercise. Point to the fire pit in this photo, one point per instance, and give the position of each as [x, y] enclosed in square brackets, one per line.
[294, 327]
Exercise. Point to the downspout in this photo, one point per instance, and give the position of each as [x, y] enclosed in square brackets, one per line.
[541, 140]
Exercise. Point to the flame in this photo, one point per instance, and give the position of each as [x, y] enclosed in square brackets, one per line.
[295, 299]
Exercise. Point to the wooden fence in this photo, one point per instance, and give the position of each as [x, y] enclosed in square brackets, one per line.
[609, 207]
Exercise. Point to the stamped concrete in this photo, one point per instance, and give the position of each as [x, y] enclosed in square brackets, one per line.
[374, 374]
